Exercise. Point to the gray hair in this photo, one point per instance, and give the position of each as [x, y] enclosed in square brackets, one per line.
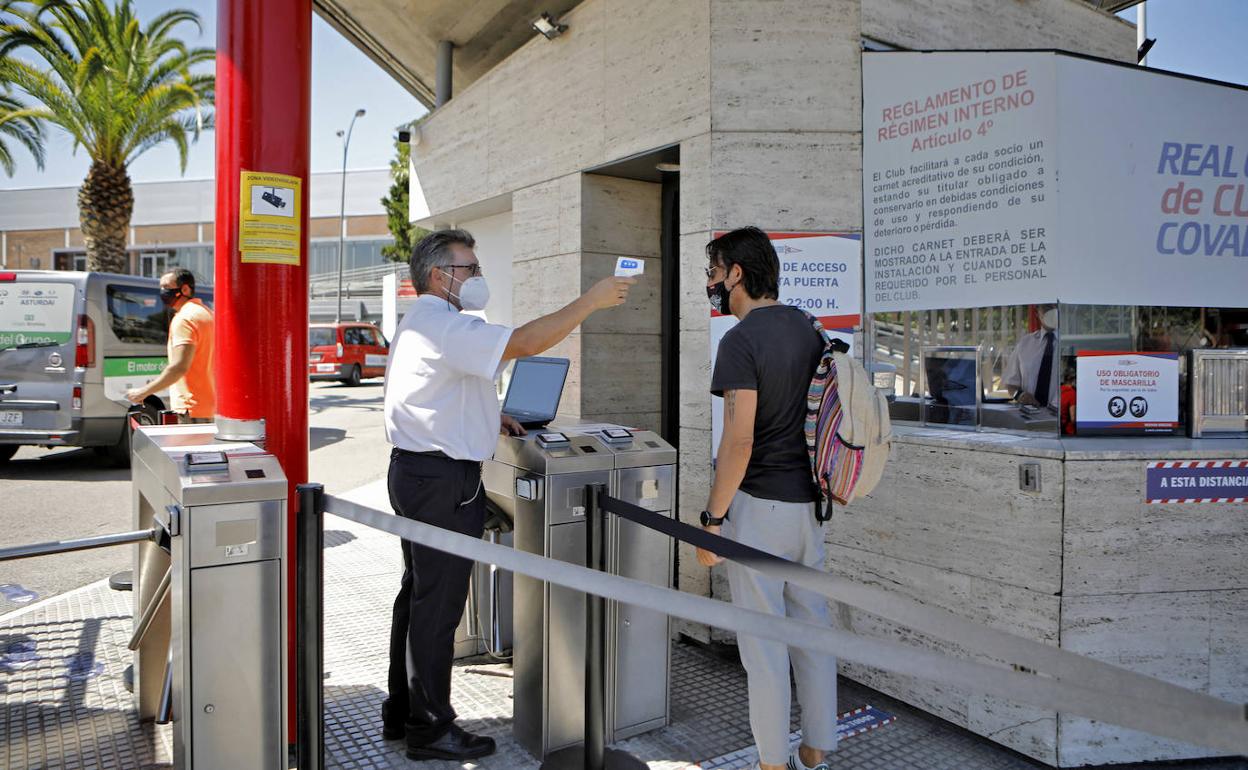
[433, 251]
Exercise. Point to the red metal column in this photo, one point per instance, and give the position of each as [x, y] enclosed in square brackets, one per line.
[263, 114]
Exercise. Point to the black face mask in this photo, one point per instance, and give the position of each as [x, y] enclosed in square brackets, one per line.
[718, 295]
[170, 296]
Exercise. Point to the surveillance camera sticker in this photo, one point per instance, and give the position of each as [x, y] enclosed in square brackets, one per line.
[270, 218]
[272, 201]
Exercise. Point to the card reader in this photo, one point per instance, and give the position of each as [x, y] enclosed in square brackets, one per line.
[552, 439]
[617, 435]
[207, 462]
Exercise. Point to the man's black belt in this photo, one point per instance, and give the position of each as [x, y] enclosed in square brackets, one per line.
[432, 453]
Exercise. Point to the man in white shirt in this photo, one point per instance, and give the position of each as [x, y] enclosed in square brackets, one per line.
[443, 418]
[1032, 372]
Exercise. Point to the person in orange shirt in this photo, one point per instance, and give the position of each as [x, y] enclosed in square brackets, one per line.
[188, 375]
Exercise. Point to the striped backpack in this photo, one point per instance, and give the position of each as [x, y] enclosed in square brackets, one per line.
[848, 432]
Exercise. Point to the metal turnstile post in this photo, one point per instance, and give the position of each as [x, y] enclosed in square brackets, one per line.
[210, 634]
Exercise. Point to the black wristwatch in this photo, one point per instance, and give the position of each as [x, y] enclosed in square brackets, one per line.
[711, 521]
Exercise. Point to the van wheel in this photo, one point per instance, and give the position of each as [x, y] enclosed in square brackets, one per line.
[7, 451]
[118, 454]
[353, 379]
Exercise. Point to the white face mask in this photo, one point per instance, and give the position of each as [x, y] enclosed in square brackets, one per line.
[473, 294]
[1049, 318]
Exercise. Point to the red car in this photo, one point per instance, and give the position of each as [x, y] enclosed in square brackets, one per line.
[347, 352]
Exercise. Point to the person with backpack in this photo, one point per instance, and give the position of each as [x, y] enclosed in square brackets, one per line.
[764, 492]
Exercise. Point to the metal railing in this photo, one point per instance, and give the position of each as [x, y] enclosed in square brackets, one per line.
[1029, 672]
[358, 282]
[79, 544]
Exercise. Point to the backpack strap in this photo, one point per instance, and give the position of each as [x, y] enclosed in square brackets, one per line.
[828, 340]
[830, 344]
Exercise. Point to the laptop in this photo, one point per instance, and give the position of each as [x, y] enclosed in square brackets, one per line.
[535, 389]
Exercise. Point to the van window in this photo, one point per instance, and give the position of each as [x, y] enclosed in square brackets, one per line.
[354, 335]
[137, 315]
[36, 313]
[319, 335]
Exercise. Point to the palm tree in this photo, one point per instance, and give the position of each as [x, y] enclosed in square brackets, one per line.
[17, 124]
[118, 88]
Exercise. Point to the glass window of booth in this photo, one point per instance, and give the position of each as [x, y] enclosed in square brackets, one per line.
[1017, 373]
[1020, 346]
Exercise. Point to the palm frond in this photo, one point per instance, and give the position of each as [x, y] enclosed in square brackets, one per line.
[116, 85]
[21, 125]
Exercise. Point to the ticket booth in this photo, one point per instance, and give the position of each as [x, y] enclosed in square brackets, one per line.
[1055, 294]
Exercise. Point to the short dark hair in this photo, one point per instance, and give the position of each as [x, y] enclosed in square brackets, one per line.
[434, 250]
[750, 248]
[182, 277]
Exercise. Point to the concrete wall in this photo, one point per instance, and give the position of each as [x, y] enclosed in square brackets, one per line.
[627, 76]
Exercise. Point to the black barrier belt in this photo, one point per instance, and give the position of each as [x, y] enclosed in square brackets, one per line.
[1008, 648]
[1161, 717]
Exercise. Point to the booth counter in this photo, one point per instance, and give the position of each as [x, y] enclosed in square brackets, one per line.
[1080, 559]
[1021, 264]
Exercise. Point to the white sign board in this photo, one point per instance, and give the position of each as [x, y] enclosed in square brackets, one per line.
[958, 180]
[999, 178]
[1126, 393]
[1154, 188]
[36, 314]
[820, 273]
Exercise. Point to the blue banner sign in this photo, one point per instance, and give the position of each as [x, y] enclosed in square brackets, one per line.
[1197, 481]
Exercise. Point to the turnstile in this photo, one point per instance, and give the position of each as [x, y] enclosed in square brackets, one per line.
[539, 480]
[211, 637]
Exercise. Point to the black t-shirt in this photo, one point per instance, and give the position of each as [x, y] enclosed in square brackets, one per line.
[774, 351]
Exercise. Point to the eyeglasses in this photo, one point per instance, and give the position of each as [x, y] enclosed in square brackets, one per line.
[474, 270]
[712, 270]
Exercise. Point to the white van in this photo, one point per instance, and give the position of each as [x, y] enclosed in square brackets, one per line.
[71, 344]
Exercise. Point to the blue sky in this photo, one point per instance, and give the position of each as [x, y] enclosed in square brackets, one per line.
[1200, 37]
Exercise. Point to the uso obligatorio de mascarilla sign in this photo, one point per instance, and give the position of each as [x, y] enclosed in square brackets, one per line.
[1120, 393]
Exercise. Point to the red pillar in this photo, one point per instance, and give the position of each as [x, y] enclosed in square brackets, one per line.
[263, 114]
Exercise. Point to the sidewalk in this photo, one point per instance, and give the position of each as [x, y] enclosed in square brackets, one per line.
[62, 703]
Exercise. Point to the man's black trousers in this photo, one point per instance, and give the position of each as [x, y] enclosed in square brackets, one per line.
[445, 493]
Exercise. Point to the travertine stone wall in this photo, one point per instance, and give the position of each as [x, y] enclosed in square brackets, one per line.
[620, 349]
[949, 526]
[567, 235]
[628, 76]
[1160, 589]
[1071, 25]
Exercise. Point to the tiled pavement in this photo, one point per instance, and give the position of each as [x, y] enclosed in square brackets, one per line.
[63, 706]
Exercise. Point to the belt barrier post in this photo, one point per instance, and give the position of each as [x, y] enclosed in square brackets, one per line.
[593, 754]
[309, 626]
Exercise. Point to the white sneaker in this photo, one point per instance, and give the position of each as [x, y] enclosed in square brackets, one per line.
[795, 763]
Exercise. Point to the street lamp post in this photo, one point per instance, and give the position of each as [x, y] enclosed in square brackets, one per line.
[342, 211]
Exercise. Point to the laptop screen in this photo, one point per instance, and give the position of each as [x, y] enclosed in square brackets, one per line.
[536, 387]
